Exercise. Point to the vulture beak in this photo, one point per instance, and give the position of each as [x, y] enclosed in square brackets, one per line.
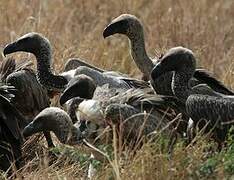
[120, 27]
[66, 95]
[31, 129]
[9, 48]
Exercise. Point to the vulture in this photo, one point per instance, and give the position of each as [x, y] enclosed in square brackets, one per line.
[202, 104]
[11, 138]
[56, 120]
[30, 97]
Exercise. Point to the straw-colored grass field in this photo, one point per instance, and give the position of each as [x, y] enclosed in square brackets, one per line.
[75, 30]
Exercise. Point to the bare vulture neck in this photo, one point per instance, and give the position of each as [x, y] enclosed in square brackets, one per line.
[44, 58]
[44, 74]
[139, 54]
[180, 83]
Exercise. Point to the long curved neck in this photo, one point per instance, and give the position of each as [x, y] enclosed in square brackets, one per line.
[139, 54]
[180, 83]
[162, 85]
[44, 74]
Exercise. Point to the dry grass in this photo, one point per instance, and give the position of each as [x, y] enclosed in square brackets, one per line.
[75, 30]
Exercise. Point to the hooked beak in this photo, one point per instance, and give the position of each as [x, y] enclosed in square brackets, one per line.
[30, 129]
[108, 31]
[9, 48]
[116, 27]
[66, 95]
